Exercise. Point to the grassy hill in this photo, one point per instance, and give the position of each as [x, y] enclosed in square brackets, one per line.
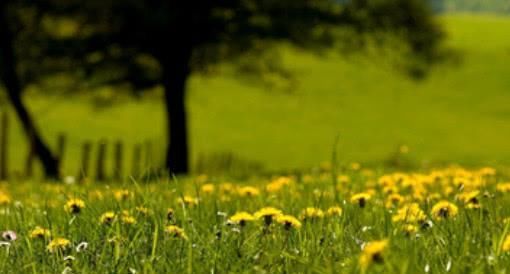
[459, 114]
[496, 6]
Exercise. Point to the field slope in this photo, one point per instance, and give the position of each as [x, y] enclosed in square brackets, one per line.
[460, 113]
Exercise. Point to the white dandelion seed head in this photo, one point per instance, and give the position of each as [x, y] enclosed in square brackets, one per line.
[82, 246]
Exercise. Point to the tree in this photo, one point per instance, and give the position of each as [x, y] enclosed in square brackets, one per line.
[160, 42]
[14, 88]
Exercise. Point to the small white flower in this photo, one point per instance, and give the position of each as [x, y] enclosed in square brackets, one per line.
[366, 228]
[491, 259]
[132, 271]
[82, 246]
[9, 235]
[69, 258]
[449, 265]
[427, 268]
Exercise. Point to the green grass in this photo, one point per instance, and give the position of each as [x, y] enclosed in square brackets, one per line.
[459, 114]
[467, 240]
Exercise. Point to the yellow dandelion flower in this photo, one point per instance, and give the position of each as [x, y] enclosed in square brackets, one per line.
[241, 218]
[58, 244]
[122, 194]
[176, 232]
[409, 213]
[226, 188]
[470, 199]
[312, 213]
[268, 213]
[39, 233]
[444, 210]
[334, 211]
[128, 219]
[4, 199]
[107, 218]
[503, 187]
[386, 181]
[273, 187]
[288, 221]
[74, 205]
[373, 253]
[277, 184]
[487, 171]
[394, 200]
[207, 188]
[248, 191]
[506, 244]
[188, 200]
[460, 181]
[361, 199]
[410, 229]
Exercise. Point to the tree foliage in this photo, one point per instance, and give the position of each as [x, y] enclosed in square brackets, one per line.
[156, 42]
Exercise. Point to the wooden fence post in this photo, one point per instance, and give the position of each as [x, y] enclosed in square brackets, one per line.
[137, 155]
[61, 145]
[101, 161]
[117, 162]
[85, 160]
[4, 127]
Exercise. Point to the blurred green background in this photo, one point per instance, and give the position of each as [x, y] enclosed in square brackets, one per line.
[460, 113]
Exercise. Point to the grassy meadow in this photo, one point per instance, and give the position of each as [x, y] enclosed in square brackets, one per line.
[353, 216]
[364, 221]
[458, 114]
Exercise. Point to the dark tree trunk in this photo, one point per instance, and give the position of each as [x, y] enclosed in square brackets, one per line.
[13, 88]
[175, 74]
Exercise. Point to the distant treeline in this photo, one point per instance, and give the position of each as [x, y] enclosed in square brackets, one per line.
[496, 6]
[492, 6]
